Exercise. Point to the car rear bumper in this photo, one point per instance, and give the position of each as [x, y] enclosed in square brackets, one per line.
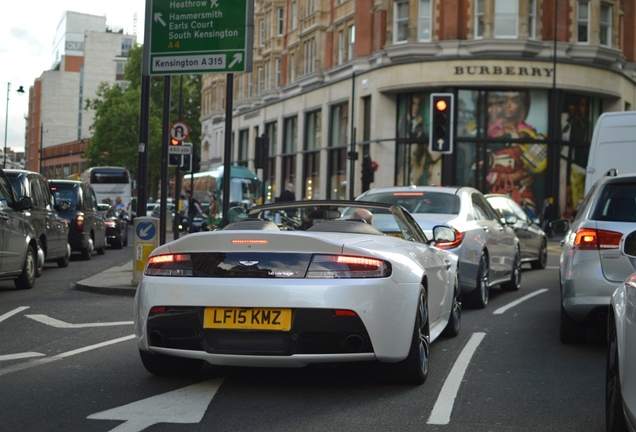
[586, 293]
[385, 317]
[78, 240]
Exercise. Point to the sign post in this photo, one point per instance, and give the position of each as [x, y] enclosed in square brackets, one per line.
[201, 36]
[146, 239]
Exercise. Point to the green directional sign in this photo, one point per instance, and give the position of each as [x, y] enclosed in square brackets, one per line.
[201, 36]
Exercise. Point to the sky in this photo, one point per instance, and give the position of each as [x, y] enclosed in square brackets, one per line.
[27, 30]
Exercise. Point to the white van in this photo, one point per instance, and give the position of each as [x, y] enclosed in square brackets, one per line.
[613, 146]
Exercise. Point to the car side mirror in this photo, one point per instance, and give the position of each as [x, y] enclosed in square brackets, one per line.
[444, 234]
[560, 226]
[510, 219]
[25, 203]
[628, 244]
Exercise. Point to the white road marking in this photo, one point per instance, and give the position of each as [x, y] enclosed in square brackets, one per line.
[516, 302]
[444, 405]
[19, 356]
[44, 319]
[13, 312]
[184, 405]
[39, 362]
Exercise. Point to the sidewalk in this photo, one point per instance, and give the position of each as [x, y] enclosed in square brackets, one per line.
[114, 281]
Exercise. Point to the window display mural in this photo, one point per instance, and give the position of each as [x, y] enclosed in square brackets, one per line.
[578, 115]
[503, 151]
[415, 164]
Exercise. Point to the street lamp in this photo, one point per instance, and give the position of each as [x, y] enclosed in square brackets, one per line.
[20, 90]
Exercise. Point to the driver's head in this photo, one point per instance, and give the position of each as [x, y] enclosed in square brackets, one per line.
[363, 214]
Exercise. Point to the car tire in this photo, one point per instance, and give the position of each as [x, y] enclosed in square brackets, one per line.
[165, 365]
[614, 415]
[455, 319]
[125, 242]
[87, 252]
[413, 370]
[478, 298]
[39, 264]
[26, 280]
[515, 278]
[66, 259]
[571, 331]
[543, 257]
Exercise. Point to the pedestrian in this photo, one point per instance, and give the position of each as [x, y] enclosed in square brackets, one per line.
[120, 206]
[546, 216]
[194, 208]
[288, 194]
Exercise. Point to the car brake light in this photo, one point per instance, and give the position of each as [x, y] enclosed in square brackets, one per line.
[345, 266]
[110, 224]
[345, 312]
[79, 222]
[593, 239]
[169, 265]
[459, 236]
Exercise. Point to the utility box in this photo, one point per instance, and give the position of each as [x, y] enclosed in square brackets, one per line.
[146, 239]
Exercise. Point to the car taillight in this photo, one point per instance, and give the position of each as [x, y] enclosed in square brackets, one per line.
[79, 222]
[595, 239]
[459, 236]
[110, 224]
[169, 265]
[346, 266]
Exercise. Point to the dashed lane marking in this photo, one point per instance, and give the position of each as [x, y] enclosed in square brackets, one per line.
[444, 405]
[44, 319]
[13, 312]
[516, 302]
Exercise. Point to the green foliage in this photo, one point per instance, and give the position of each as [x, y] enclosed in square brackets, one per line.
[115, 130]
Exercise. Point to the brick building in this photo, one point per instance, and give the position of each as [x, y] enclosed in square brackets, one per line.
[529, 78]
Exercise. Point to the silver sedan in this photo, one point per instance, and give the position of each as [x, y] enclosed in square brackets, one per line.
[488, 249]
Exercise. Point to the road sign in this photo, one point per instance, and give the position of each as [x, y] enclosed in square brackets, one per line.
[201, 36]
[145, 230]
[180, 150]
[179, 131]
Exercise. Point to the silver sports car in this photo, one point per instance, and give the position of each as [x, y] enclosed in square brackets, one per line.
[299, 283]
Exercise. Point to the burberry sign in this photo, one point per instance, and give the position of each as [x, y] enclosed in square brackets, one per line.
[504, 70]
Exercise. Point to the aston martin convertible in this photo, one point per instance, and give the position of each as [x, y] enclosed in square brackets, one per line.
[293, 284]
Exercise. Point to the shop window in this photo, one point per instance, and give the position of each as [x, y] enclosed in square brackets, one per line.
[313, 130]
[415, 164]
[311, 176]
[290, 135]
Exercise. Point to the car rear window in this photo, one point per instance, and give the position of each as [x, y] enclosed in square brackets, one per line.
[65, 193]
[419, 202]
[617, 203]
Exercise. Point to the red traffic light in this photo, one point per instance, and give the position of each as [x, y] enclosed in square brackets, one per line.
[441, 105]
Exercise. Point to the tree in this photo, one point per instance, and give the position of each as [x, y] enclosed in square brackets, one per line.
[115, 130]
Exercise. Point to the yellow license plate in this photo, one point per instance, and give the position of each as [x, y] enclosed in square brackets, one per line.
[249, 319]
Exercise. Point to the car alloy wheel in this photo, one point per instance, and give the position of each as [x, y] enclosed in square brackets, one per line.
[413, 369]
[26, 280]
[87, 252]
[455, 319]
[543, 257]
[478, 298]
[515, 277]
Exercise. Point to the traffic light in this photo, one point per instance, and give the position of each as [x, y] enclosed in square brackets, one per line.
[174, 159]
[186, 160]
[261, 152]
[442, 123]
[196, 162]
[368, 175]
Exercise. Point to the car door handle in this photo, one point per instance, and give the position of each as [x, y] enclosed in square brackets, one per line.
[447, 265]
